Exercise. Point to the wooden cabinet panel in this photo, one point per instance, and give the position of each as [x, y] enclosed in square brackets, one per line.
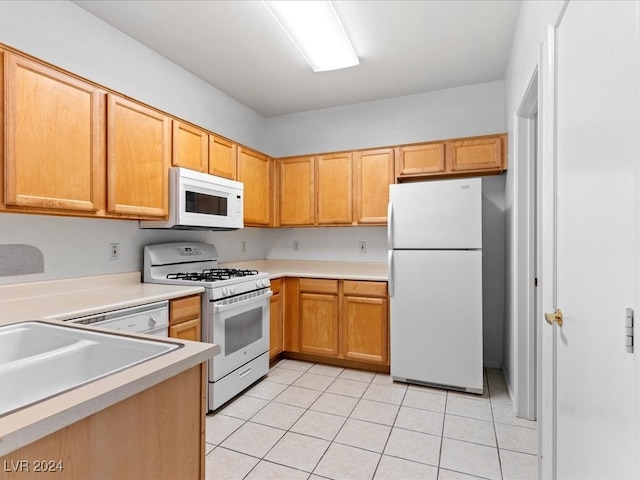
[333, 189]
[185, 318]
[222, 157]
[296, 191]
[319, 323]
[189, 330]
[316, 285]
[190, 147]
[255, 171]
[139, 152]
[421, 159]
[365, 329]
[365, 289]
[276, 321]
[154, 434]
[55, 138]
[373, 173]
[476, 154]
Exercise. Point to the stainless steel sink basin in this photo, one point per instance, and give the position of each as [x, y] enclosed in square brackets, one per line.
[39, 360]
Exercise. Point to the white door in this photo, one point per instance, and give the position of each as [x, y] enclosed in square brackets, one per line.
[596, 242]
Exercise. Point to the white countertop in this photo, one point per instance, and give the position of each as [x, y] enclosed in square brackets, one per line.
[78, 297]
[63, 299]
[372, 271]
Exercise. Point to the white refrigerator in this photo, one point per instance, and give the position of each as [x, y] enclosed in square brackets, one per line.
[435, 283]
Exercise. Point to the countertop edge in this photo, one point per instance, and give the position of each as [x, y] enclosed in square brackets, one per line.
[48, 416]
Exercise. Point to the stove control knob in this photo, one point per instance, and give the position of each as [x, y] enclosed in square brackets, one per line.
[232, 290]
[259, 283]
[225, 291]
[152, 321]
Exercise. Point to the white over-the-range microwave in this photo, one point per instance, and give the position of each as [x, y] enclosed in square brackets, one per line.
[199, 201]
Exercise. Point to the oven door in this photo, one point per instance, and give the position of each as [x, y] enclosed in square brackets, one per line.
[241, 329]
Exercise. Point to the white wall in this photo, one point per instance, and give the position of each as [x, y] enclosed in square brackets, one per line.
[531, 31]
[450, 113]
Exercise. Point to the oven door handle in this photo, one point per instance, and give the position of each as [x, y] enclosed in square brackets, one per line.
[248, 301]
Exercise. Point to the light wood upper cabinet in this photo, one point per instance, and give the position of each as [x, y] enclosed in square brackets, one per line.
[372, 175]
[255, 171]
[334, 189]
[223, 156]
[55, 138]
[297, 202]
[477, 154]
[138, 158]
[422, 159]
[190, 147]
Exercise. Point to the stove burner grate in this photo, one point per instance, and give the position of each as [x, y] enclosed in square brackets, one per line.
[212, 274]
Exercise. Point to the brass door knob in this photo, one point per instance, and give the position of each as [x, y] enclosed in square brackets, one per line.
[554, 317]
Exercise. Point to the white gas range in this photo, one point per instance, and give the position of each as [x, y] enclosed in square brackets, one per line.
[235, 312]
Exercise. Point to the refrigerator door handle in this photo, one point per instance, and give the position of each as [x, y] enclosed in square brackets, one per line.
[390, 226]
[390, 281]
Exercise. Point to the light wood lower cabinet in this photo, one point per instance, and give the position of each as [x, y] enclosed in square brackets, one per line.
[185, 318]
[156, 434]
[318, 317]
[276, 318]
[340, 322]
[365, 321]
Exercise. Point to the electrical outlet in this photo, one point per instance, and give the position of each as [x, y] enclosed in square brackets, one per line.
[244, 246]
[114, 251]
[296, 245]
[363, 246]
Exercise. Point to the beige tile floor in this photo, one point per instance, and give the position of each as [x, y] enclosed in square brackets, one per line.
[312, 421]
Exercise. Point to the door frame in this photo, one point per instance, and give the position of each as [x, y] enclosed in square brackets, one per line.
[527, 248]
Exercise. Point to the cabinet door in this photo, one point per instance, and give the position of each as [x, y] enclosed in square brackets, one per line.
[333, 189]
[365, 329]
[139, 152]
[254, 170]
[365, 321]
[190, 147]
[373, 172]
[222, 157]
[189, 330]
[421, 159]
[296, 191]
[276, 333]
[55, 138]
[477, 154]
[318, 316]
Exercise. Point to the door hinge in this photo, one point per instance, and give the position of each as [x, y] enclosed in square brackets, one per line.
[628, 335]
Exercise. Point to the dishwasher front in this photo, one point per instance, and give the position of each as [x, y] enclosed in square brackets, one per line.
[150, 319]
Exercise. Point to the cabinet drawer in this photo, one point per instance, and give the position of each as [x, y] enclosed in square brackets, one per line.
[368, 289]
[182, 309]
[318, 286]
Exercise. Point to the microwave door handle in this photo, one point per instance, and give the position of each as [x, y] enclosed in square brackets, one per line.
[232, 306]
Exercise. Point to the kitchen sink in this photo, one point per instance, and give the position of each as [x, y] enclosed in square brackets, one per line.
[39, 360]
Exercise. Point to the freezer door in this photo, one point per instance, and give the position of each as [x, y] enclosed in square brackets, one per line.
[438, 214]
[436, 318]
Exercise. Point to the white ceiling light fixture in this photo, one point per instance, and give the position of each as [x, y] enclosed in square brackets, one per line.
[315, 29]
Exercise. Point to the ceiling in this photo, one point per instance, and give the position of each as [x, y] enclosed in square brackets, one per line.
[405, 47]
